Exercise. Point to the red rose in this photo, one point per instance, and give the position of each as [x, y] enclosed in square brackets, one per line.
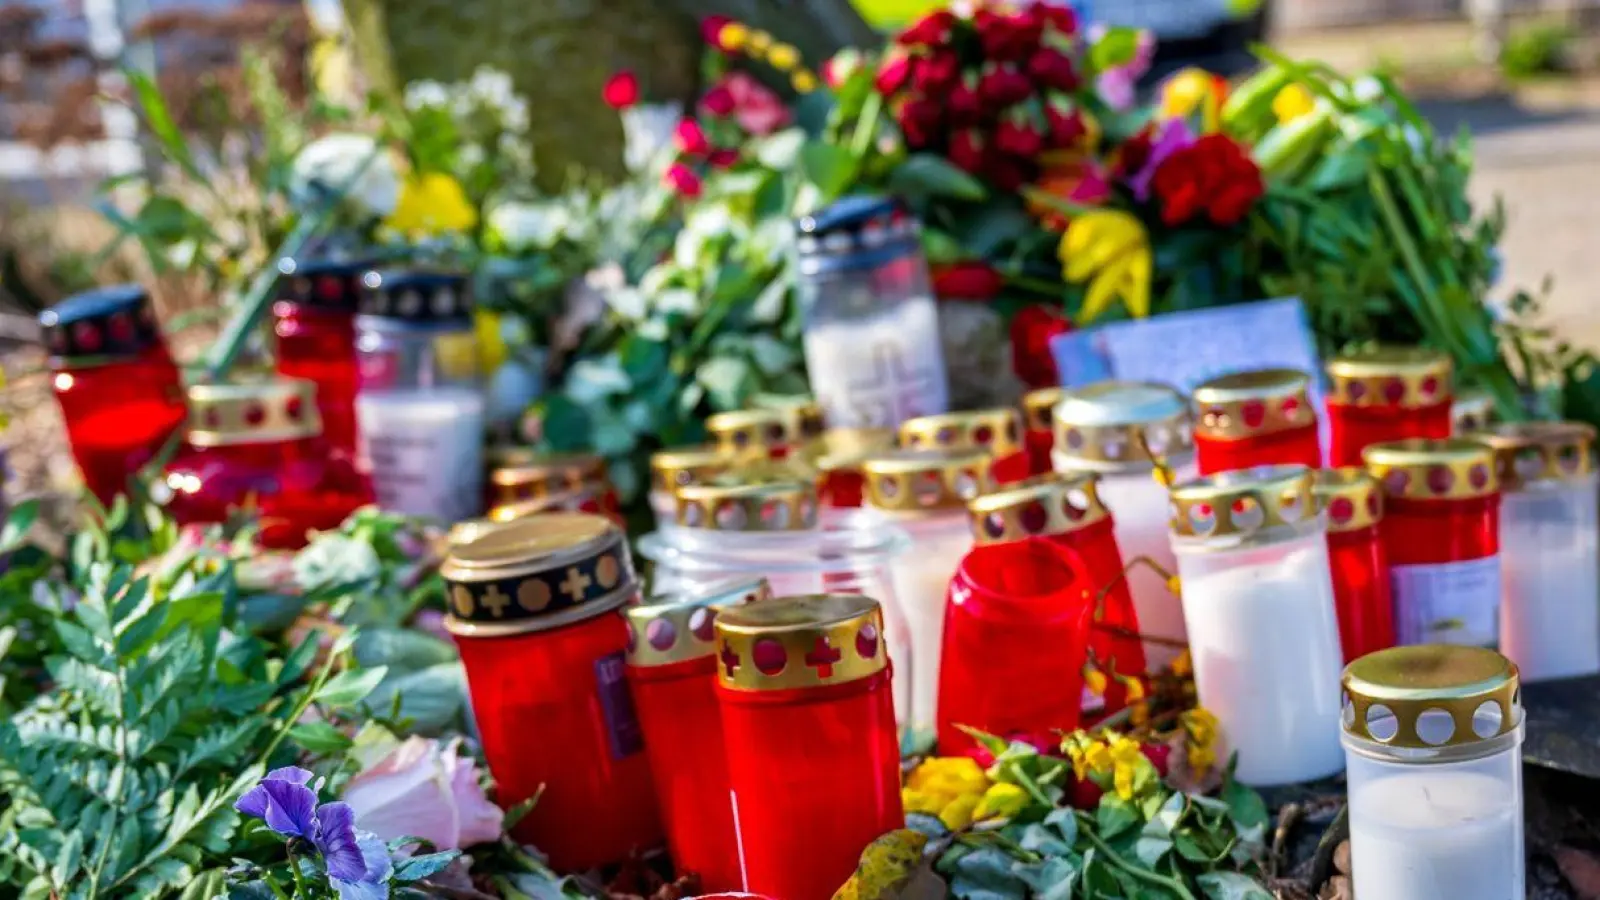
[711, 28]
[1053, 69]
[1007, 172]
[920, 119]
[621, 90]
[932, 30]
[718, 101]
[967, 149]
[1008, 37]
[1031, 330]
[690, 139]
[1002, 85]
[967, 281]
[723, 159]
[893, 74]
[682, 180]
[1213, 176]
[963, 104]
[1051, 17]
[938, 72]
[1018, 136]
[1066, 125]
[1131, 157]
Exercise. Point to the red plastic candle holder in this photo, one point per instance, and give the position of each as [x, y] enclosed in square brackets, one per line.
[1038, 422]
[1441, 531]
[119, 390]
[839, 458]
[314, 319]
[1352, 500]
[1386, 394]
[533, 607]
[808, 725]
[997, 432]
[1262, 417]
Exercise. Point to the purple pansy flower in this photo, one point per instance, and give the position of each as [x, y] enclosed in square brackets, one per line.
[357, 862]
[283, 801]
[373, 884]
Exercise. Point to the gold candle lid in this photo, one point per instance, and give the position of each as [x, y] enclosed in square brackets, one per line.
[677, 627]
[1242, 503]
[1116, 426]
[1412, 681]
[801, 413]
[537, 573]
[998, 431]
[1528, 452]
[560, 501]
[1253, 403]
[1408, 377]
[1351, 496]
[748, 430]
[545, 474]
[1471, 410]
[845, 449]
[796, 642]
[1044, 505]
[924, 480]
[753, 505]
[1423, 469]
[252, 411]
[672, 469]
[468, 530]
[1039, 406]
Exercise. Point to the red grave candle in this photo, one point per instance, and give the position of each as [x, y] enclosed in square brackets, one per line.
[1038, 417]
[256, 445]
[120, 392]
[1386, 394]
[533, 607]
[1441, 530]
[1262, 417]
[767, 432]
[681, 466]
[672, 670]
[808, 726]
[997, 432]
[1352, 500]
[536, 482]
[1066, 510]
[314, 319]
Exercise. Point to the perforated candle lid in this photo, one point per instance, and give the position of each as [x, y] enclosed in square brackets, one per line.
[672, 469]
[417, 296]
[1113, 426]
[1471, 410]
[537, 573]
[1242, 503]
[1351, 496]
[678, 626]
[1399, 687]
[544, 474]
[926, 480]
[1039, 406]
[1408, 377]
[798, 642]
[754, 504]
[110, 322]
[1530, 452]
[252, 411]
[581, 499]
[801, 413]
[845, 449]
[1423, 469]
[1253, 403]
[746, 430]
[1044, 505]
[330, 285]
[998, 431]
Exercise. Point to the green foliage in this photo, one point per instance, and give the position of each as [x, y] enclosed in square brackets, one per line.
[1542, 48]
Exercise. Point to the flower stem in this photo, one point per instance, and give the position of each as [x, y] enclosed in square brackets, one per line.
[294, 870]
[272, 885]
[1171, 884]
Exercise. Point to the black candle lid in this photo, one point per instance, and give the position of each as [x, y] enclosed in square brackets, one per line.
[857, 232]
[421, 297]
[333, 285]
[115, 321]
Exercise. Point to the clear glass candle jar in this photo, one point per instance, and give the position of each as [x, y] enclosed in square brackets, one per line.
[1433, 750]
[1352, 502]
[421, 403]
[120, 393]
[533, 607]
[1441, 530]
[997, 432]
[871, 329]
[1258, 599]
[677, 467]
[1065, 509]
[1386, 394]
[1262, 417]
[314, 321]
[925, 492]
[533, 481]
[809, 733]
[1549, 547]
[1038, 424]
[256, 445]
[1120, 430]
[1472, 410]
[672, 671]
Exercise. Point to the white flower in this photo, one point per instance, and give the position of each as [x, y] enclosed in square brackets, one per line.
[471, 156]
[647, 129]
[329, 163]
[419, 788]
[426, 94]
[524, 226]
[492, 87]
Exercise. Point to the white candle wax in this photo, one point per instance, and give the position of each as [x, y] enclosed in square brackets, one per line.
[1430, 833]
[922, 576]
[877, 371]
[425, 450]
[1550, 560]
[1139, 511]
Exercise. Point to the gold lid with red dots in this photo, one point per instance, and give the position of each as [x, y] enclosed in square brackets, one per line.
[544, 474]
[1351, 497]
[678, 626]
[1424, 469]
[1250, 404]
[1043, 505]
[1121, 426]
[537, 573]
[747, 431]
[1529, 452]
[1243, 503]
[672, 469]
[1410, 682]
[751, 504]
[844, 449]
[249, 412]
[798, 642]
[997, 431]
[1407, 377]
[561, 501]
[802, 415]
[925, 480]
[1039, 406]
[1471, 410]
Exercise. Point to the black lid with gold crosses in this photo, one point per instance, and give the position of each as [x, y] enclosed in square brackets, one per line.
[537, 573]
[813, 640]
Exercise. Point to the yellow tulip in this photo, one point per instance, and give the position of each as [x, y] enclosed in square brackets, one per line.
[1126, 759]
[1095, 681]
[1098, 755]
[1110, 250]
[918, 802]
[732, 36]
[1183, 666]
[432, 203]
[1291, 102]
[1001, 801]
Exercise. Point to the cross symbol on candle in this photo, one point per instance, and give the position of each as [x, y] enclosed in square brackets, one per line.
[822, 657]
[730, 660]
[495, 601]
[575, 584]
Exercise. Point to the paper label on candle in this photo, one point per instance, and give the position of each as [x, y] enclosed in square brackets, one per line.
[616, 705]
[878, 371]
[1448, 603]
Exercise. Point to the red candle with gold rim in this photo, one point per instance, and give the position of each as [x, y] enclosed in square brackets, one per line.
[119, 390]
[808, 725]
[1352, 500]
[1386, 394]
[1262, 417]
[672, 669]
[314, 319]
[997, 432]
[533, 607]
[1441, 530]
[1038, 423]
[526, 483]
[762, 432]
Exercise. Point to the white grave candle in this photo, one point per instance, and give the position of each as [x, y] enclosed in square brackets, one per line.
[425, 450]
[1436, 836]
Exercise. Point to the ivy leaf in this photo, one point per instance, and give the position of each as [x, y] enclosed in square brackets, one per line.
[1114, 816]
[320, 738]
[20, 519]
[1150, 850]
[931, 175]
[985, 874]
[726, 379]
[772, 356]
[1230, 886]
[830, 167]
[419, 867]
[1245, 806]
[1051, 878]
[350, 688]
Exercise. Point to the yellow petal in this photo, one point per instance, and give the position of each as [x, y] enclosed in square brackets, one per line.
[919, 802]
[958, 814]
[1291, 102]
[1184, 92]
[783, 57]
[1001, 801]
[1103, 290]
[1136, 284]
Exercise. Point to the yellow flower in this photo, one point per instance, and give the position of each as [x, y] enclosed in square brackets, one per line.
[1183, 666]
[1135, 687]
[732, 36]
[758, 41]
[1098, 755]
[804, 82]
[432, 203]
[1163, 476]
[1109, 249]
[1001, 801]
[957, 814]
[1292, 102]
[949, 787]
[1126, 760]
[491, 343]
[918, 802]
[1194, 90]
[783, 57]
[1201, 726]
[1095, 681]
[1175, 586]
[1080, 761]
[1201, 759]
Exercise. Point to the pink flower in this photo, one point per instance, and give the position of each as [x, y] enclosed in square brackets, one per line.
[724, 158]
[682, 180]
[690, 139]
[621, 90]
[1117, 84]
[420, 788]
[893, 74]
[757, 109]
[717, 102]
[711, 29]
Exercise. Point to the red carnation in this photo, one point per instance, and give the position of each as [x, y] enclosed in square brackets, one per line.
[682, 180]
[718, 101]
[1053, 69]
[723, 159]
[1060, 19]
[690, 139]
[1066, 124]
[963, 104]
[1002, 85]
[1131, 157]
[1008, 37]
[621, 90]
[967, 281]
[967, 148]
[1018, 136]
[932, 30]
[711, 27]
[1213, 176]
[938, 72]
[920, 119]
[893, 74]
[1031, 330]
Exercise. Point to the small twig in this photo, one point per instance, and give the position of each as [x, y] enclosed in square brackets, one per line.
[1288, 818]
[1322, 860]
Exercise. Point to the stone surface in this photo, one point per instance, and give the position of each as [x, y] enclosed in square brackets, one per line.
[1563, 725]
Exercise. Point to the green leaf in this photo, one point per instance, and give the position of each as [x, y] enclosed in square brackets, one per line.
[401, 649]
[419, 867]
[320, 738]
[1231, 886]
[211, 884]
[1150, 850]
[18, 521]
[985, 874]
[159, 119]
[1117, 47]
[727, 380]
[350, 688]
[1114, 816]
[1051, 878]
[830, 167]
[782, 150]
[931, 175]
[1245, 806]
